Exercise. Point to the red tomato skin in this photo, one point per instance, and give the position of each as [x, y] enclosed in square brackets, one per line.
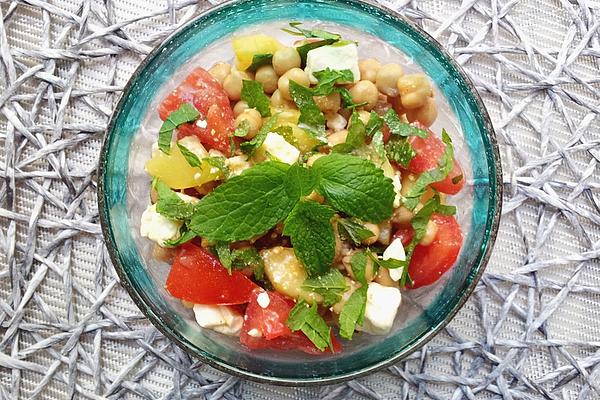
[209, 98]
[198, 277]
[449, 187]
[405, 233]
[270, 322]
[429, 263]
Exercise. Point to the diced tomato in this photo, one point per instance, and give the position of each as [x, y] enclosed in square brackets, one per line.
[429, 150]
[269, 329]
[198, 277]
[428, 263]
[209, 98]
[405, 233]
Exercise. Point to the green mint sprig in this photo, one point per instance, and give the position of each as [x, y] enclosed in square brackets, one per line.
[184, 114]
[253, 93]
[306, 318]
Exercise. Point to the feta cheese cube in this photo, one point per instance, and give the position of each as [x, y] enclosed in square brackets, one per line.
[395, 251]
[382, 305]
[333, 57]
[279, 149]
[192, 143]
[158, 228]
[221, 319]
[237, 165]
[263, 299]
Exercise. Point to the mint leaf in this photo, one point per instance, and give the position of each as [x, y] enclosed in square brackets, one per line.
[445, 165]
[347, 101]
[184, 114]
[310, 115]
[300, 180]
[190, 157]
[242, 129]
[355, 186]
[374, 124]
[251, 146]
[355, 137]
[245, 206]
[330, 286]
[258, 60]
[399, 150]
[307, 319]
[379, 146]
[308, 46]
[170, 205]
[353, 312]
[311, 233]
[254, 94]
[328, 78]
[312, 33]
[401, 128]
[358, 263]
[185, 235]
[351, 230]
[246, 257]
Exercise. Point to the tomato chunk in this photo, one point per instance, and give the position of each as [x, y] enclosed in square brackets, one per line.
[265, 328]
[216, 122]
[429, 151]
[198, 277]
[428, 263]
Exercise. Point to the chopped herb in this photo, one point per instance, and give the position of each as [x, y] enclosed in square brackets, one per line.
[251, 146]
[398, 149]
[218, 162]
[358, 263]
[246, 257]
[331, 286]
[259, 60]
[184, 114]
[445, 165]
[379, 146]
[242, 129]
[190, 157]
[170, 205]
[310, 114]
[401, 128]
[354, 231]
[355, 137]
[347, 101]
[254, 94]
[374, 124]
[328, 78]
[313, 33]
[311, 233]
[457, 179]
[307, 319]
[353, 312]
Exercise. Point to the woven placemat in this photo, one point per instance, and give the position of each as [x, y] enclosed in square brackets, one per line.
[68, 330]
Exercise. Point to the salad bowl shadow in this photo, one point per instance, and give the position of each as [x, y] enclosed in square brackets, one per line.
[428, 309]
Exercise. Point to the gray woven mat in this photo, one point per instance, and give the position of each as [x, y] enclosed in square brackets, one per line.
[67, 329]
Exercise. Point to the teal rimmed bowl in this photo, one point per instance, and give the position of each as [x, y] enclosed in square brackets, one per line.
[123, 188]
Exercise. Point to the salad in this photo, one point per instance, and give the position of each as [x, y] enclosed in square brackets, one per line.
[300, 192]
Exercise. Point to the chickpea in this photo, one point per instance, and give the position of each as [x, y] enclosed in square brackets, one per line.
[285, 59]
[295, 74]
[383, 278]
[402, 215]
[187, 304]
[337, 137]
[330, 103]
[335, 121]
[240, 107]
[430, 233]
[373, 228]
[365, 91]
[426, 114]
[414, 90]
[267, 77]
[233, 83]
[254, 121]
[314, 196]
[278, 101]
[369, 268]
[219, 71]
[368, 69]
[352, 286]
[408, 181]
[387, 79]
[385, 232]
[166, 254]
[153, 195]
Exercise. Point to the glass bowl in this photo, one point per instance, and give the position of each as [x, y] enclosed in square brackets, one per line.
[124, 186]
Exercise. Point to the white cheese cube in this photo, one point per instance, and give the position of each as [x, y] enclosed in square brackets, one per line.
[277, 147]
[382, 305]
[192, 143]
[237, 165]
[221, 319]
[395, 251]
[333, 57]
[158, 228]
